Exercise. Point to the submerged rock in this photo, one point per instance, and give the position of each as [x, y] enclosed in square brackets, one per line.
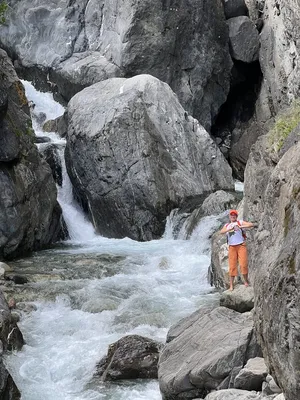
[132, 357]
[143, 156]
[206, 354]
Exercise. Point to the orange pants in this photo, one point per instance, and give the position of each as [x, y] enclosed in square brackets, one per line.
[237, 254]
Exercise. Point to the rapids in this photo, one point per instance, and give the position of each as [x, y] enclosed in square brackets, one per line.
[90, 291]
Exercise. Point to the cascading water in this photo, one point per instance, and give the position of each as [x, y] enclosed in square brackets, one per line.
[111, 288]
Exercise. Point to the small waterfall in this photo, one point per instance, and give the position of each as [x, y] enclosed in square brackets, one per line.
[43, 108]
[79, 228]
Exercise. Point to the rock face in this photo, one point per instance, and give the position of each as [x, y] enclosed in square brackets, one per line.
[241, 299]
[244, 40]
[10, 339]
[143, 155]
[184, 44]
[272, 196]
[280, 49]
[29, 213]
[206, 353]
[132, 357]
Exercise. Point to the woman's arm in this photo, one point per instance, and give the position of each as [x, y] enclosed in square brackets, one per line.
[226, 229]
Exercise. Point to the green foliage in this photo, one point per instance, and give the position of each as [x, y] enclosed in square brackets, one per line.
[285, 123]
[3, 9]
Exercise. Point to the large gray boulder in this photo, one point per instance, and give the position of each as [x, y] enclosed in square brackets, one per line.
[143, 156]
[206, 353]
[132, 357]
[244, 39]
[82, 42]
[272, 196]
[29, 213]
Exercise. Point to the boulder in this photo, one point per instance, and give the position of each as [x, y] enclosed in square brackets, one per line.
[30, 216]
[252, 376]
[272, 196]
[51, 154]
[83, 42]
[244, 39]
[241, 299]
[132, 357]
[233, 394]
[206, 353]
[82, 70]
[143, 156]
[234, 8]
[58, 125]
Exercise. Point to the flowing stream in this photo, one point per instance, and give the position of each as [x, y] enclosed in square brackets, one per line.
[90, 291]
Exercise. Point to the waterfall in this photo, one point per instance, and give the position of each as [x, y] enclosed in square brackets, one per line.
[44, 108]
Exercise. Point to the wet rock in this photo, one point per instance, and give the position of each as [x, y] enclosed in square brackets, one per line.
[132, 357]
[51, 154]
[42, 139]
[130, 181]
[207, 354]
[234, 8]
[26, 307]
[244, 39]
[241, 299]
[252, 376]
[30, 216]
[58, 125]
[233, 394]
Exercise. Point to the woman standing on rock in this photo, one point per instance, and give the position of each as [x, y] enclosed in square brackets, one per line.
[237, 247]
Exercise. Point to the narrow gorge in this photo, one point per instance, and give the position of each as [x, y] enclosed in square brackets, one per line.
[128, 130]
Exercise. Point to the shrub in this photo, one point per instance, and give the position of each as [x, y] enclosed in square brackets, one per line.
[3, 9]
[285, 123]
